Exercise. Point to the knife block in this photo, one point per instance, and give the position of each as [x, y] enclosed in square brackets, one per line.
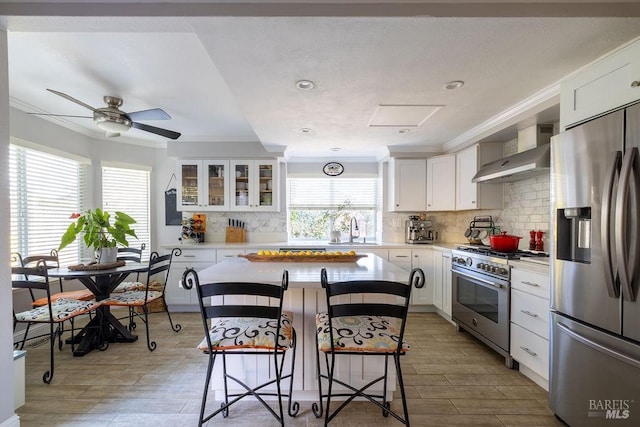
[235, 235]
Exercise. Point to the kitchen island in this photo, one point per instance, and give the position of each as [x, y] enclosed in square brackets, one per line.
[305, 297]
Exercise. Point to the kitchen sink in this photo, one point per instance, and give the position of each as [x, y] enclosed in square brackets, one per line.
[352, 244]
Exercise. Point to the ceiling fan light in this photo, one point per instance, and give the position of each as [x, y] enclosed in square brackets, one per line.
[113, 124]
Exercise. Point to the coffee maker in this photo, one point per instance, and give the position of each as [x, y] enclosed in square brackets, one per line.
[419, 232]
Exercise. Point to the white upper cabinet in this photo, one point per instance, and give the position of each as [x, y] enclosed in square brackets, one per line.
[203, 185]
[470, 195]
[407, 185]
[441, 183]
[607, 84]
[254, 185]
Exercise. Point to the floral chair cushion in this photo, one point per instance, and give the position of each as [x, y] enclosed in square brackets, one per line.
[62, 309]
[129, 286]
[154, 285]
[371, 334]
[228, 333]
[132, 298]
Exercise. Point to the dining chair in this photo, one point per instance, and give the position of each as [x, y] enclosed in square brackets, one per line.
[134, 255]
[158, 270]
[52, 261]
[255, 326]
[367, 318]
[54, 312]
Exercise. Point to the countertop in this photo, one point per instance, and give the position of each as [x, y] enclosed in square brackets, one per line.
[302, 274]
[444, 246]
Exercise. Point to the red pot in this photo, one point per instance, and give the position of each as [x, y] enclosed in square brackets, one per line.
[504, 242]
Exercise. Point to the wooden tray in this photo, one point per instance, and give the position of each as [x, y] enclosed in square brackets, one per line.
[96, 266]
[253, 257]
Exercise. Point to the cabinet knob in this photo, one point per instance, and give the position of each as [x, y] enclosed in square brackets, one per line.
[635, 83]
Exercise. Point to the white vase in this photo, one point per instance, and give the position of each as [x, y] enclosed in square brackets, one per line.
[334, 236]
[107, 255]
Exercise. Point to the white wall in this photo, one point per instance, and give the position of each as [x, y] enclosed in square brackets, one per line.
[6, 330]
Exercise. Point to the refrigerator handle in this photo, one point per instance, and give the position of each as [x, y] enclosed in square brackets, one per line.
[621, 226]
[599, 347]
[605, 226]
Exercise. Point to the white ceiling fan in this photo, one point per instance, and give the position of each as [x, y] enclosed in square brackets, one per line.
[115, 121]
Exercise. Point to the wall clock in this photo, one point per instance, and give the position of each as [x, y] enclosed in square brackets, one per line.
[333, 169]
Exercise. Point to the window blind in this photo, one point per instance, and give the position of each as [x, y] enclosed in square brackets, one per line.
[127, 190]
[322, 193]
[45, 190]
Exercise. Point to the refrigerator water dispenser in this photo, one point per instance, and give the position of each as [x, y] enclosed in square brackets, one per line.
[574, 234]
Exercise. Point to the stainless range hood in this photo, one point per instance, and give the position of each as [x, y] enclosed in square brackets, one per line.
[525, 164]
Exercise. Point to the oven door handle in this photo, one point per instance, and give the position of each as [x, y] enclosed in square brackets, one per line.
[493, 284]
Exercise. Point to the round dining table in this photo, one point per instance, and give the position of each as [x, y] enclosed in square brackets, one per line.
[104, 327]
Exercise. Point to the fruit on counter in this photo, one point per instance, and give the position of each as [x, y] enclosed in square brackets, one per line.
[267, 252]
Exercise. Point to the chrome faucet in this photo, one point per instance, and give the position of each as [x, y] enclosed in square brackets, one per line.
[354, 231]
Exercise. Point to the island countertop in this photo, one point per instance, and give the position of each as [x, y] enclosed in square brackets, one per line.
[303, 274]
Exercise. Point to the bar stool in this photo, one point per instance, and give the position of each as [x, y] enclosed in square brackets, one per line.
[357, 327]
[246, 329]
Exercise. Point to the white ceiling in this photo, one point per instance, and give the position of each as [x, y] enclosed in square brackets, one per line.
[232, 79]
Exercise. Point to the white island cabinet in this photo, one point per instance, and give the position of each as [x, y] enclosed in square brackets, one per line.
[530, 286]
[304, 298]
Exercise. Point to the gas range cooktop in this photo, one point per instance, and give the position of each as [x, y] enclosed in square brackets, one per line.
[487, 251]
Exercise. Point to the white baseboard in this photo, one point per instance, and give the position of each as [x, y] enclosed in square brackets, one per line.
[34, 330]
[12, 421]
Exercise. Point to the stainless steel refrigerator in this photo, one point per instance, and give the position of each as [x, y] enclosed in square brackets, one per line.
[595, 272]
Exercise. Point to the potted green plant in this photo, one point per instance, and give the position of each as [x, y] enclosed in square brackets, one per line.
[337, 219]
[99, 233]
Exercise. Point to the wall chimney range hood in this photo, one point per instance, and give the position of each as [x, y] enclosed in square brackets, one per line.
[528, 162]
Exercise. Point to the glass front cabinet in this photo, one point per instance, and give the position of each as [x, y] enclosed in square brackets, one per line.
[203, 185]
[253, 185]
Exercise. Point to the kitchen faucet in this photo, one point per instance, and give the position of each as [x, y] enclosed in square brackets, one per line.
[354, 231]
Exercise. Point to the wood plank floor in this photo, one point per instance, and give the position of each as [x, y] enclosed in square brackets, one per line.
[451, 379]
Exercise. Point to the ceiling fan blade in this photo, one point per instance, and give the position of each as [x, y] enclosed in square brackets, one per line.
[60, 115]
[111, 134]
[158, 131]
[72, 99]
[153, 114]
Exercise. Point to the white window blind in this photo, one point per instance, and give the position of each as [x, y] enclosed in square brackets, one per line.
[127, 190]
[323, 193]
[45, 190]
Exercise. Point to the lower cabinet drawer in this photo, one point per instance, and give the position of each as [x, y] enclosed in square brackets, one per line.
[530, 312]
[530, 350]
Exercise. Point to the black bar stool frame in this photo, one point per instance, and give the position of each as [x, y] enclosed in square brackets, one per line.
[334, 310]
[211, 312]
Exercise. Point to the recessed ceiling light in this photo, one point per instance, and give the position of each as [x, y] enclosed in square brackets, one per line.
[335, 149]
[305, 130]
[305, 84]
[455, 84]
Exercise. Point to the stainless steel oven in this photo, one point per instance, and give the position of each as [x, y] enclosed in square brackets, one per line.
[480, 299]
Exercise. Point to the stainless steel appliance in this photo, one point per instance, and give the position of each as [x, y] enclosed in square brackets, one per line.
[420, 232]
[595, 332]
[480, 297]
[481, 293]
